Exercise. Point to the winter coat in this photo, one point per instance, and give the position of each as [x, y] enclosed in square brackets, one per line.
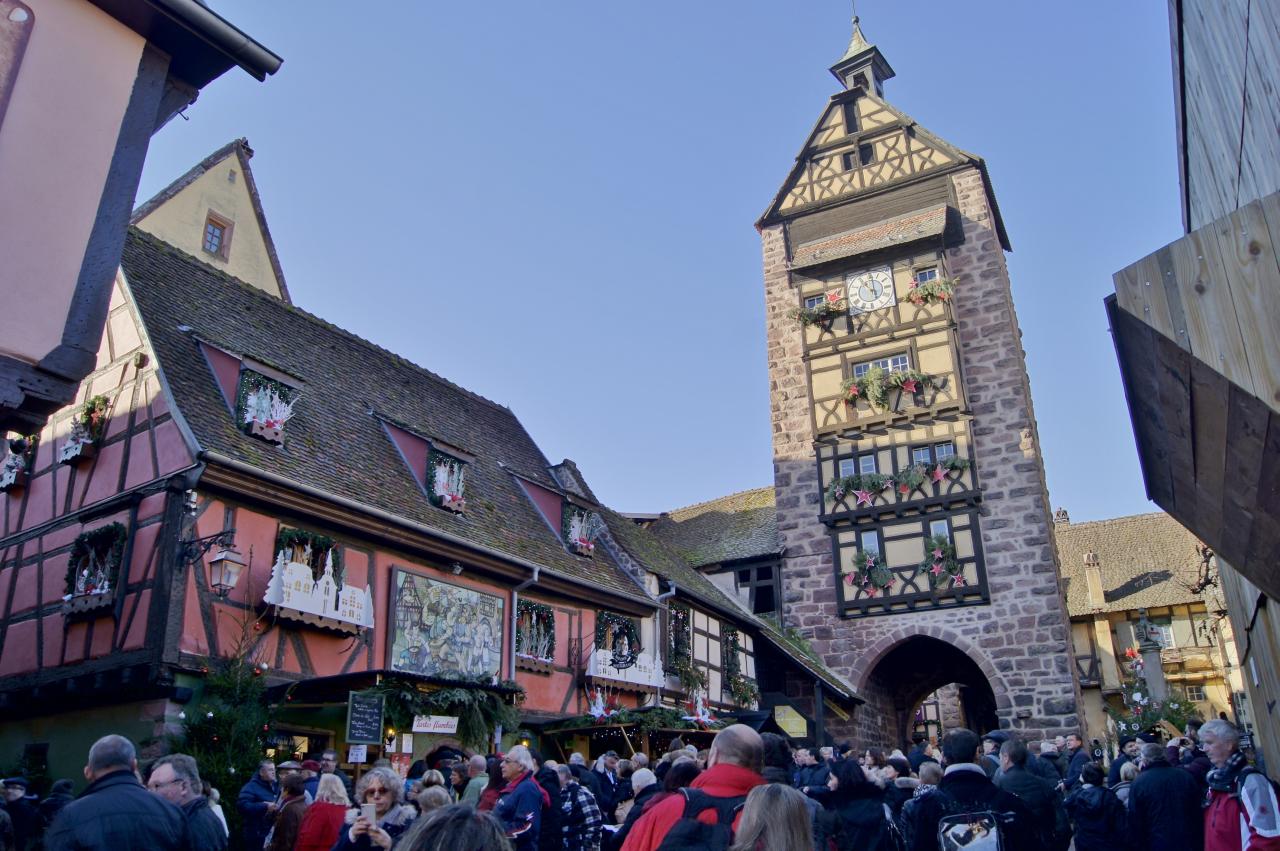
[1040, 798]
[395, 822]
[611, 793]
[719, 781]
[26, 822]
[613, 842]
[1045, 769]
[1164, 811]
[6, 831]
[1098, 816]
[252, 804]
[857, 820]
[580, 819]
[967, 785]
[549, 837]
[204, 829]
[1121, 790]
[520, 810]
[116, 812]
[779, 776]
[589, 779]
[475, 788]
[918, 756]
[1113, 773]
[1240, 805]
[489, 799]
[320, 826]
[285, 833]
[52, 805]
[1076, 762]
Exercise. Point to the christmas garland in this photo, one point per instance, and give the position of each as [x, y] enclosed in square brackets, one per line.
[480, 709]
[691, 677]
[874, 386]
[865, 486]
[940, 561]
[657, 718]
[291, 539]
[1141, 713]
[539, 640]
[251, 382]
[609, 627]
[106, 543]
[930, 292]
[834, 305]
[871, 576]
[744, 690]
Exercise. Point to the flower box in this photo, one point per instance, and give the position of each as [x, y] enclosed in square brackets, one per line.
[269, 433]
[75, 451]
[533, 664]
[80, 605]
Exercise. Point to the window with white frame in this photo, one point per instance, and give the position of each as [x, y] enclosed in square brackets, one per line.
[869, 543]
[924, 276]
[895, 363]
[862, 465]
[1195, 693]
[921, 455]
[940, 527]
[943, 451]
[814, 301]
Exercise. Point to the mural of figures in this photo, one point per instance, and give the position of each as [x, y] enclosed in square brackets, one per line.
[443, 630]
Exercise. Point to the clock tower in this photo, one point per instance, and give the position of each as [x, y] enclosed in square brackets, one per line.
[910, 492]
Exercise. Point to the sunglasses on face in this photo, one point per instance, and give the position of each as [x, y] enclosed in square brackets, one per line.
[375, 790]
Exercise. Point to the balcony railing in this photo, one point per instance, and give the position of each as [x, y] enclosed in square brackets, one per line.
[646, 672]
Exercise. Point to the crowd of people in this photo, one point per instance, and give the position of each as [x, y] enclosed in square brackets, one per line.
[747, 792]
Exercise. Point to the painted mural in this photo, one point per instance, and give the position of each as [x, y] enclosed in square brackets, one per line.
[443, 630]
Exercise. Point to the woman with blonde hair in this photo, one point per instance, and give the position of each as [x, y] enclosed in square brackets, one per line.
[323, 819]
[774, 818]
[383, 788]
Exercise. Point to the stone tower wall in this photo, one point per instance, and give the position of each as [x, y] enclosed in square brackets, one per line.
[1020, 640]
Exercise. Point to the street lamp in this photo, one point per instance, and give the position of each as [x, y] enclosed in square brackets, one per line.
[224, 568]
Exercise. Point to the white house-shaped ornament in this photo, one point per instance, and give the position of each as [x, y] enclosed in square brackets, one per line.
[297, 595]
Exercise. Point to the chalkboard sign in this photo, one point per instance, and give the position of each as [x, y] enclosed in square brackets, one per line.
[364, 718]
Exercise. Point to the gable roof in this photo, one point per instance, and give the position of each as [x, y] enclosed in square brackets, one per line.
[240, 149]
[1148, 561]
[341, 446]
[738, 526]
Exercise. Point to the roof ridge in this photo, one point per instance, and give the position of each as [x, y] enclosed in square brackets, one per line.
[724, 498]
[183, 256]
[1075, 525]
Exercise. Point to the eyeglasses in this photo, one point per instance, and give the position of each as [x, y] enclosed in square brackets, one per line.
[375, 790]
[156, 787]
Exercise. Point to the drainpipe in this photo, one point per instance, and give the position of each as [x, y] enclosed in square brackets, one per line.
[515, 604]
[667, 595]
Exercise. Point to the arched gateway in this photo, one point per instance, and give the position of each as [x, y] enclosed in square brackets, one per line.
[910, 494]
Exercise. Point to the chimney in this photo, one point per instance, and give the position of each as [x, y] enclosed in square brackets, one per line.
[1093, 580]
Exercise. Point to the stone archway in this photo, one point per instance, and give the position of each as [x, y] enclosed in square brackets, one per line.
[900, 671]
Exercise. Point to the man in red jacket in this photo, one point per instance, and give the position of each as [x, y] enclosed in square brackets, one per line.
[733, 770]
[1242, 804]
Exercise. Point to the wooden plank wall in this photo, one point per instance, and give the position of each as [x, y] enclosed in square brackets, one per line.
[1216, 294]
[1230, 76]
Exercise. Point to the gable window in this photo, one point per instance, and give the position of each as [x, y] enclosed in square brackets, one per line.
[866, 154]
[924, 276]
[850, 110]
[445, 481]
[263, 405]
[895, 363]
[580, 528]
[758, 582]
[216, 239]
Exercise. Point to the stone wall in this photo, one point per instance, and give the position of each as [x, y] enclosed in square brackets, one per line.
[1021, 639]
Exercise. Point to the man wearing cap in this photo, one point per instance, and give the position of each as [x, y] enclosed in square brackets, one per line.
[311, 781]
[1128, 753]
[991, 743]
[23, 813]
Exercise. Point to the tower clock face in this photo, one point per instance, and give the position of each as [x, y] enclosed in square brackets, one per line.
[870, 290]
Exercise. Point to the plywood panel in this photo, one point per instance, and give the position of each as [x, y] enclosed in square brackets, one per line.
[1249, 255]
[1260, 171]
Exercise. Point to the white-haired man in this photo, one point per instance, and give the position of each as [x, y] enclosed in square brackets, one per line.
[1242, 803]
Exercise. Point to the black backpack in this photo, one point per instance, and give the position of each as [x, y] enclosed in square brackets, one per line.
[689, 834]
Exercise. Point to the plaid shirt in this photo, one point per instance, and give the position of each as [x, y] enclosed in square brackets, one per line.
[582, 819]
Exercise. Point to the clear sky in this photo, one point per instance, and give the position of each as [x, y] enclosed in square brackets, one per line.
[552, 203]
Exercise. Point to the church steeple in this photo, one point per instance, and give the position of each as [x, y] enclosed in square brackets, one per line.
[862, 64]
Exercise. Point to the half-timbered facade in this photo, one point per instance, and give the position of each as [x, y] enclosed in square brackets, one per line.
[911, 497]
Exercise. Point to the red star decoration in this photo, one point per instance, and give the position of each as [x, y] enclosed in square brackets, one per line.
[938, 473]
[937, 554]
[936, 569]
[910, 385]
[959, 578]
[834, 296]
[864, 498]
[848, 577]
[904, 488]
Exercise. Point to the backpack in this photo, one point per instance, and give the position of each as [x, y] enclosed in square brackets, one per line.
[689, 834]
[970, 826]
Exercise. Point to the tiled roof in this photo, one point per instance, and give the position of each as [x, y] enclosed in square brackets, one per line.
[738, 526]
[1147, 561]
[661, 558]
[904, 229]
[334, 442]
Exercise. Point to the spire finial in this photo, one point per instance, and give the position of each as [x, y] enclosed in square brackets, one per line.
[859, 54]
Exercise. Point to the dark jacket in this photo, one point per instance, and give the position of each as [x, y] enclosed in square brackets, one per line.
[815, 778]
[26, 823]
[965, 788]
[116, 812]
[589, 779]
[288, 822]
[609, 796]
[520, 811]
[204, 829]
[1046, 770]
[1041, 798]
[917, 756]
[6, 831]
[612, 842]
[1075, 764]
[549, 832]
[395, 822]
[252, 804]
[780, 776]
[1164, 811]
[53, 804]
[1113, 773]
[580, 819]
[857, 820]
[1098, 816]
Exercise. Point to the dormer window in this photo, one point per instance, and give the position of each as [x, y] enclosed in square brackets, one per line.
[581, 528]
[446, 481]
[264, 405]
[217, 236]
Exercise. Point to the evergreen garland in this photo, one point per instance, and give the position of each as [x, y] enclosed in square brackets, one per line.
[904, 481]
[940, 561]
[875, 384]
[542, 629]
[655, 718]
[870, 575]
[691, 677]
[608, 622]
[479, 708]
[1142, 713]
[289, 539]
[107, 543]
[930, 292]
[744, 690]
[834, 305]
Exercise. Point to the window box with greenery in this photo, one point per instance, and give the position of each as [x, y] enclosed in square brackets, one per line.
[581, 529]
[680, 661]
[741, 688]
[15, 469]
[816, 312]
[876, 384]
[445, 479]
[932, 291]
[535, 636]
[93, 570]
[264, 405]
[867, 488]
[87, 430]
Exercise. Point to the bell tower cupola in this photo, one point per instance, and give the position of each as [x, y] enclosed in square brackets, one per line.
[863, 65]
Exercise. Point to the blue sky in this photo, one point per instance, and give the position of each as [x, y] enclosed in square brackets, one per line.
[552, 204]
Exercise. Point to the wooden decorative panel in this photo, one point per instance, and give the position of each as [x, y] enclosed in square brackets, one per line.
[891, 458]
